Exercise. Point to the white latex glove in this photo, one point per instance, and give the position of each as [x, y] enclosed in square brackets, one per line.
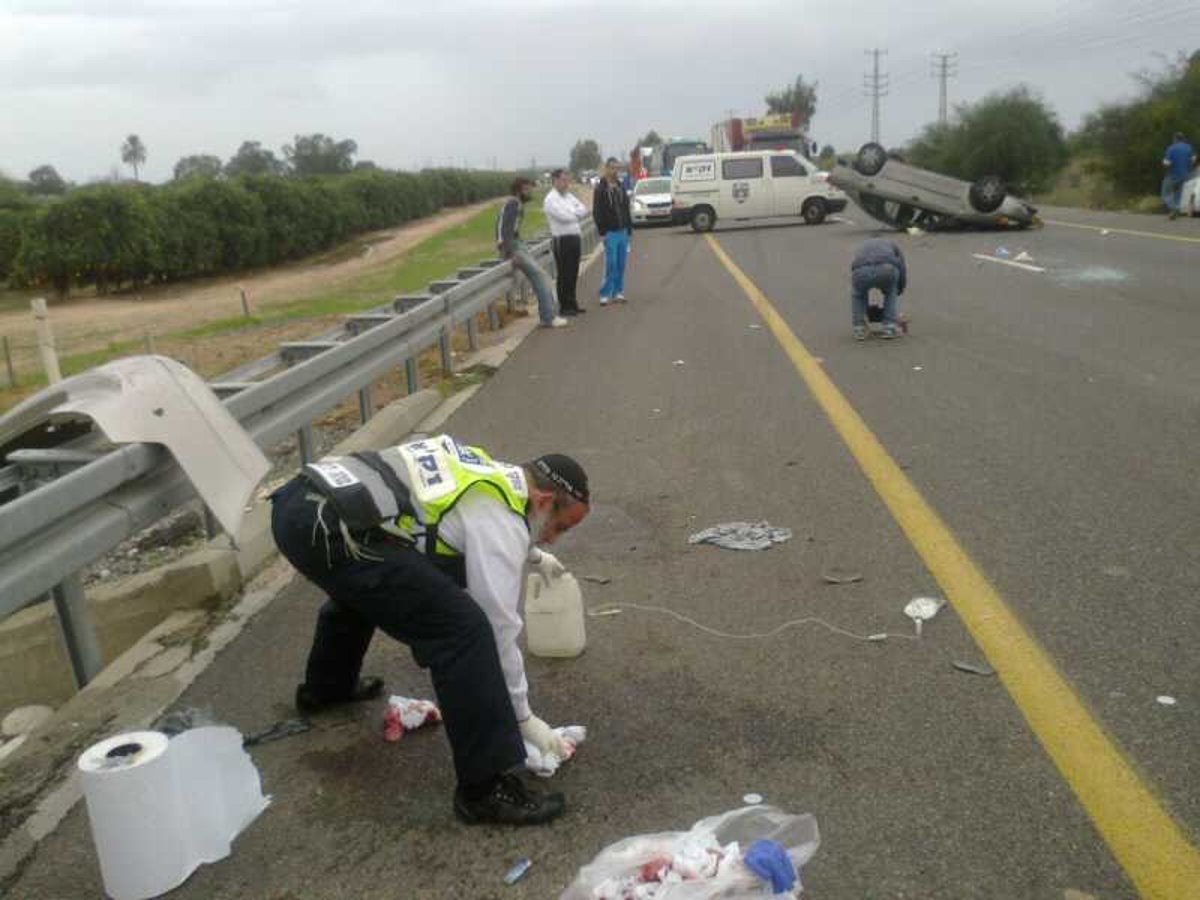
[546, 565]
[542, 736]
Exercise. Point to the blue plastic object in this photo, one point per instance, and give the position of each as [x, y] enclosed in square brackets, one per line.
[770, 862]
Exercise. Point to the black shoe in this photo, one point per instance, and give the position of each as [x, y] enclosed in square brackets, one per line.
[573, 312]
[310, 701]
[510, 802]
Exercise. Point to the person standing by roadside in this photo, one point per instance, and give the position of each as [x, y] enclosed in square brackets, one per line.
[879, 264]
[510, 246]
[564, 212]
[610, 209]
[1179, 160]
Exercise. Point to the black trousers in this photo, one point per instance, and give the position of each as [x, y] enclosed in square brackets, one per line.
[407, 597]
[567, 249]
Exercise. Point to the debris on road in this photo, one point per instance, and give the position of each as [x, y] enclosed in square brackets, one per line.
[518, 870]
[597, 579]
[407, 714]
[756, 328]
[1023, 257]
[918, 368]
[752, 799]
[742, 535]
[974, 668]
[838, 575]
[1002, 252]
[1166, 700]
[920, 609]
[678, 362]
[708, 858]
[546, 764]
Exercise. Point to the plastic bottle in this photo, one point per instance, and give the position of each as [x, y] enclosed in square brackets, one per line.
[554, 616]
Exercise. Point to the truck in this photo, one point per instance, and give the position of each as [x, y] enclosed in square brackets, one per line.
[781, 131]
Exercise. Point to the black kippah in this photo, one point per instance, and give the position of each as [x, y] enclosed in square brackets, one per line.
[567, 475]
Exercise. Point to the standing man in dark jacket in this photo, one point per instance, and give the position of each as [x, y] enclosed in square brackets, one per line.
[877, 264]
[510, 246]
[610, 209]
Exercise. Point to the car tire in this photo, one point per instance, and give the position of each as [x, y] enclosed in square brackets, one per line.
[703, 219]
[987, 194]
[814, 211]
[871, 159]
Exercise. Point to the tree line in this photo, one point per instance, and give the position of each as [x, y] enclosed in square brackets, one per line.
[256, 211]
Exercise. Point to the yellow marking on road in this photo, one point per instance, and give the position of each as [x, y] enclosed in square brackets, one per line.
[1147, 234]
[1143, 837]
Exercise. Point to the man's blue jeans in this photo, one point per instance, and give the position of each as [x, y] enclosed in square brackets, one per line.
[882, 276]
[523, 260]
[1172, 192]
[616, 252]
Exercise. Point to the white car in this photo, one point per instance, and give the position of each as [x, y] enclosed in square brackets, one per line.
[760, 184]
[651, 201]
[1189, 198]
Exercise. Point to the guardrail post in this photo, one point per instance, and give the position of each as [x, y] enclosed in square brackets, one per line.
[45, 339]
[412, 375]
[8, 363]
[510, 295]
[304, 437]
[493, 317]
[473, 333]
[78, 631]
[447, 352]
[366, 406]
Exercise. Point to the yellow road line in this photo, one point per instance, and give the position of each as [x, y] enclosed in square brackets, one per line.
[1148, 234]
[1143, 837]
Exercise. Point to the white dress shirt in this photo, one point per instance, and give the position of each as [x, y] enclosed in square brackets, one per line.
[564, 212]
[496, 544]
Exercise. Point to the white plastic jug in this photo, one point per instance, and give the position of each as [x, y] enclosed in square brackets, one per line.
[554, 616]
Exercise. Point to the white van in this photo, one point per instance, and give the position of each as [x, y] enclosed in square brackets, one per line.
[759, 184]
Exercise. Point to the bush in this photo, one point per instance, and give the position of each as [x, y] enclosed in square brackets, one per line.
[110, 235]
[1130, 138]
[1014, 135]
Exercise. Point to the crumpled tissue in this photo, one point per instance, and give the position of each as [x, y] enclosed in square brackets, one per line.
[546, 764]
[406, 714]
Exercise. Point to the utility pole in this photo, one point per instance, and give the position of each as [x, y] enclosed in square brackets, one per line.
[875, 84]
[945, 67]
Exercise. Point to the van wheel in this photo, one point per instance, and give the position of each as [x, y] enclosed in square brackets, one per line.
[871, 158]
[987, 194]
[703, 219]
[813, 211]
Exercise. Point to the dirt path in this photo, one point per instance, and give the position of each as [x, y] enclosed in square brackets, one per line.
[90, 323]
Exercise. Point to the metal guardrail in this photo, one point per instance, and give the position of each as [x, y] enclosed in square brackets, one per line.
[75, 504]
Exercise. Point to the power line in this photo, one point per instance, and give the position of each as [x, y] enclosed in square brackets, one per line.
[876, 85]
[945, 67]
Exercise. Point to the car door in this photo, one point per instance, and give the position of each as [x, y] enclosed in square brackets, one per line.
[790, 183]
[744, 188]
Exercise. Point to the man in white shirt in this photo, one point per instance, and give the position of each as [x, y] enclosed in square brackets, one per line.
[428, 542]
[564, 212]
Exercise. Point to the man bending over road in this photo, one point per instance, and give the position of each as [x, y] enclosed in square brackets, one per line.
[427, 541]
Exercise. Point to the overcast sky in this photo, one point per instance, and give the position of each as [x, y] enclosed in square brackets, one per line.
[470, 81]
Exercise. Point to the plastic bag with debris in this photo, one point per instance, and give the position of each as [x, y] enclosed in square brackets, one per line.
[705, 863]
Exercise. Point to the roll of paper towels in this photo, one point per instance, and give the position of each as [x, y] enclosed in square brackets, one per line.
[159, 806]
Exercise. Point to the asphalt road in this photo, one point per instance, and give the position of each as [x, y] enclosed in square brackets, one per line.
[1050, 418]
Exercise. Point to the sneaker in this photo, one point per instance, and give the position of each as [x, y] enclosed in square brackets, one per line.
[1173, 215]
[604, 301]
[509, 802]
[310, 701]
[860, 332]
[890, 331]
[620, 298]
[556, 322]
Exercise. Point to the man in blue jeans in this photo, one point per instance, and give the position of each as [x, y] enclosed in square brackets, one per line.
[878, 264]
[510, 246]
[1179, 160]
[610, 210]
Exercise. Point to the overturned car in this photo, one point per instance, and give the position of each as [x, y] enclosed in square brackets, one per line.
[904, 196]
